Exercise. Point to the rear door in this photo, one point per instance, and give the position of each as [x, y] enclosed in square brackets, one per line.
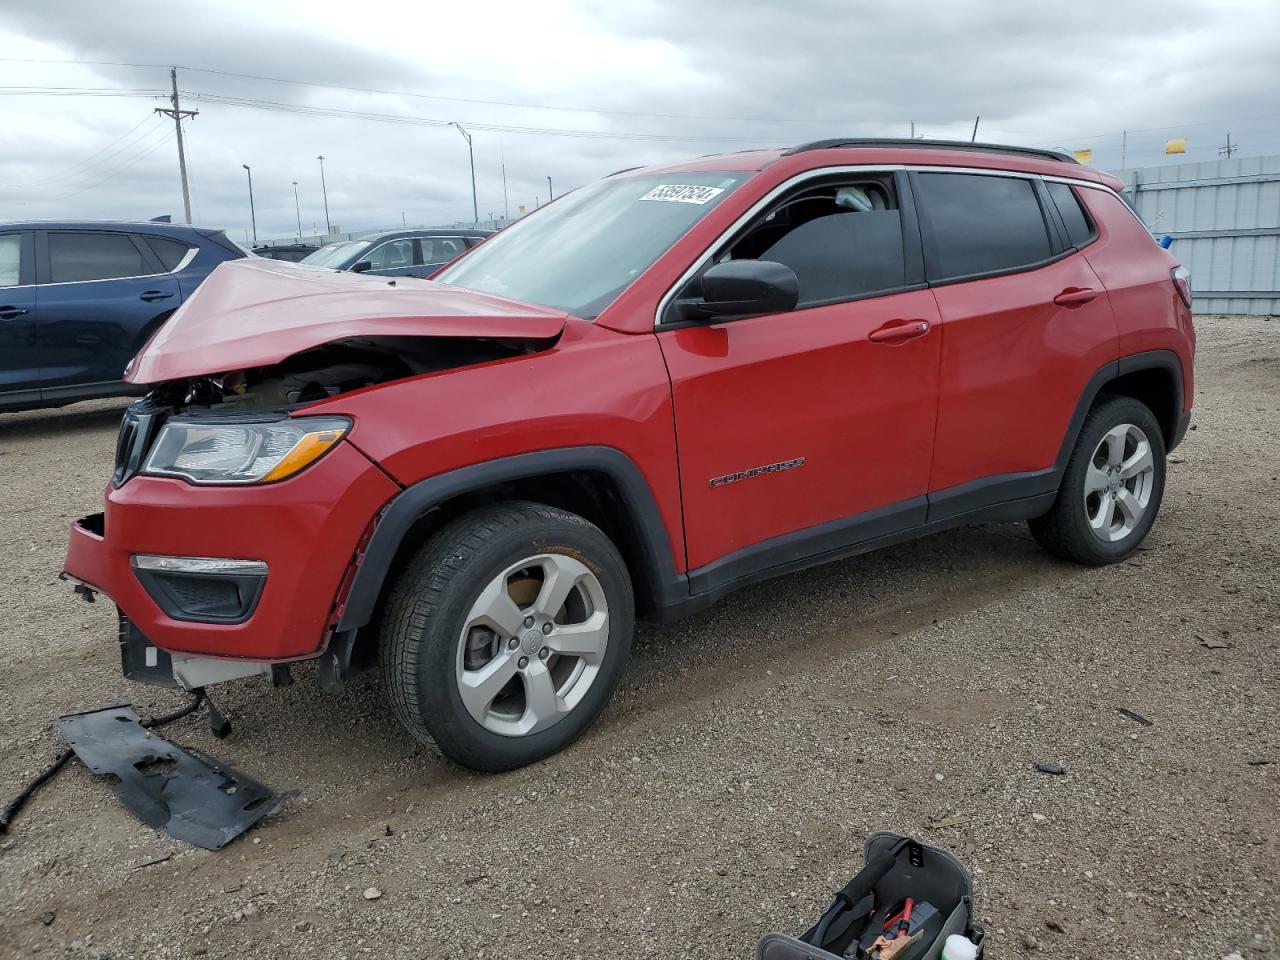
[801, 433]
[102, 294]
[1025, 324]
[393, 258]
[19, 354]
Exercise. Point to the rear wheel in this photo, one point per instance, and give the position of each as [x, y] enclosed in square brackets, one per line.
[506, 635]
[1112, 488]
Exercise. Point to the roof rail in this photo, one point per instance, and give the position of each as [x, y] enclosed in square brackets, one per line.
[931, 144]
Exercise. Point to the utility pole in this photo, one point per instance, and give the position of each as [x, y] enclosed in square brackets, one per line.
[1124, 147]
[475, 206]
[297, 209]
[506, 210]
[1229, 149]
[974, 136]
[325, 190]
[550, 193]
[178, 113]
[253, 218]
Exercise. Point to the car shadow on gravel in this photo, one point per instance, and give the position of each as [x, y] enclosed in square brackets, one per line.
[324, 743]
[90, 416]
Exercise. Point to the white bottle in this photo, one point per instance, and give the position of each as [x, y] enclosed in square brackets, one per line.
[958, 947]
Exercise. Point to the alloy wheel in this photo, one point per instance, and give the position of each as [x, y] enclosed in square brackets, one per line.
[1118, 483]
[532, 644]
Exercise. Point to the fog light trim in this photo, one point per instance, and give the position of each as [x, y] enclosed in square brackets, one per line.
[205, 565]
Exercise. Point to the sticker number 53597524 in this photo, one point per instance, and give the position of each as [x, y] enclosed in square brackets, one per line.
[678, 193]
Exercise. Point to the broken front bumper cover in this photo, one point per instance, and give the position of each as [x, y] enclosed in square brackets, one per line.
[143, 662]
[179, 790]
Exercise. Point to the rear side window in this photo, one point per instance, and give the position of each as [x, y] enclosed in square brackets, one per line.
[441, 249]
[169, 251]
[980, 224]
[1079, 231]
[93, 256]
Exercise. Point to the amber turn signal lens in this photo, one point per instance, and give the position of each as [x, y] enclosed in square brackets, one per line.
[307, 451]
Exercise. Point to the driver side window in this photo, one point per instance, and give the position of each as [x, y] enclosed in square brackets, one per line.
[842, 239]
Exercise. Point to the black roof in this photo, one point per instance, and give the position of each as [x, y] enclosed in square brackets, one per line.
[931, 145]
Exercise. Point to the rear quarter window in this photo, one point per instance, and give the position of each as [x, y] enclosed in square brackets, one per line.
[1079, 229]
[978, 223]
[170, 252]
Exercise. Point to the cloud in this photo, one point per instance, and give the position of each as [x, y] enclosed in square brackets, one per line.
[725, 76]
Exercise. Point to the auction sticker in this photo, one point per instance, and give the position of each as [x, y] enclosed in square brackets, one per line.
[677, 193]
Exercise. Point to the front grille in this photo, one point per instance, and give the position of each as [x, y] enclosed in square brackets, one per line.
[138, 428]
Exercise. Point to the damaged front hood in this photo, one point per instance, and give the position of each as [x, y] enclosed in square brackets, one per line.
[254, 312]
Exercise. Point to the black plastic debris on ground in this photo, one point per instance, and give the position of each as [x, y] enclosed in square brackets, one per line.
[185, 793]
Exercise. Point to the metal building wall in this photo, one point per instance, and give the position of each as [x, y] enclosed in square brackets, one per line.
[1224, 218]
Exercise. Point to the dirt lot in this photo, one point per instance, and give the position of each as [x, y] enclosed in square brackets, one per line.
[727, 790]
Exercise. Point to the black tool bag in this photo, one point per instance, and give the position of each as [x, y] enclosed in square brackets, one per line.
[897, 867]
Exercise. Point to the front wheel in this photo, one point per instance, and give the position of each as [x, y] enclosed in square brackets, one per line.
[1112, 487]
[505, 636]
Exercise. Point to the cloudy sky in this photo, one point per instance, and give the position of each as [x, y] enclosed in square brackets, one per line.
[575, 90]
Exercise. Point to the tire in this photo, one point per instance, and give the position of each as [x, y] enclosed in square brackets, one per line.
[529, 691]
[1104, 465]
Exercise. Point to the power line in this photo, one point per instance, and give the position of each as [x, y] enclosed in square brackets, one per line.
[305, 110]
[79, 92]
[127, 165]
[90, 178]
[115, 147]
[523, 105]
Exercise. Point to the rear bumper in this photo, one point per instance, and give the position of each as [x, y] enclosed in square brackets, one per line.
[305, 529]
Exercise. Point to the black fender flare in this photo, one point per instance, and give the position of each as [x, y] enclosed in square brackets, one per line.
[407, 507]
[1165, 360]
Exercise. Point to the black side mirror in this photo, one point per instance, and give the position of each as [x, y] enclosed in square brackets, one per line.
[362, 266]
[744, 288]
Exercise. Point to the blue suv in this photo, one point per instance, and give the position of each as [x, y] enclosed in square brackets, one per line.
[400, 253]
[78, 300]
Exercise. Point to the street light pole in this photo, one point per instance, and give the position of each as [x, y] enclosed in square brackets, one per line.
[328, 228]
[297, 209]
[475, 206]
[253, 218]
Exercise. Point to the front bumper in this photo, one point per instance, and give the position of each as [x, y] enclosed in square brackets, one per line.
[306, 529]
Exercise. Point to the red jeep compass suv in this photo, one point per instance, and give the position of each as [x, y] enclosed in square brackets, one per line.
[664, 386]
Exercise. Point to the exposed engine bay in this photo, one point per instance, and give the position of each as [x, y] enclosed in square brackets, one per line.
[332, 369]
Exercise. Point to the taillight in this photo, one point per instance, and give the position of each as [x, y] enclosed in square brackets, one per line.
[1182, 283]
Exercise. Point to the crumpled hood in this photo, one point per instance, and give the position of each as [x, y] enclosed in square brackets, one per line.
[254, 312]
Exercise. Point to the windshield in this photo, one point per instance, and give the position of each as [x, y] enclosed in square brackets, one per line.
[579, 253]
[334, 253]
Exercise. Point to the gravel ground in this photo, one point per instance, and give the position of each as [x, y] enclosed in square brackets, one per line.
[727, 790]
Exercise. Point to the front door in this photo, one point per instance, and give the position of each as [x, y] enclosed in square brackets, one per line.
[19, 353]
[803, 433]
[395, 258]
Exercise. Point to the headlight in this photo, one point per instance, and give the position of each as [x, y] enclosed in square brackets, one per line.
[204, 451]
